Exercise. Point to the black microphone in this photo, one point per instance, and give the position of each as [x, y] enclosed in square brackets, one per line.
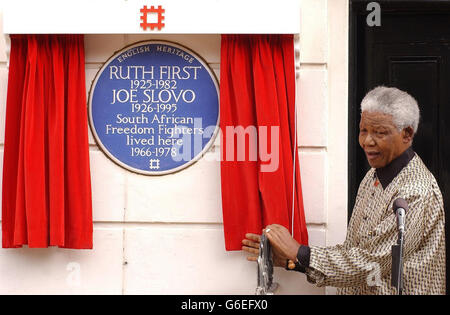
[400, 208]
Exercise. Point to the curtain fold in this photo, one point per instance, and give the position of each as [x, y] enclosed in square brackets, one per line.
[46, 197]
[257, 92]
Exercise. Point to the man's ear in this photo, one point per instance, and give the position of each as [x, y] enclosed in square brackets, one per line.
[407, 134]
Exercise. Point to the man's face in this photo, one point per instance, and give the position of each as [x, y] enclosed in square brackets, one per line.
[380, 138]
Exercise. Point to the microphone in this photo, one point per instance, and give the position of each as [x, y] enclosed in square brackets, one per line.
[400, 208]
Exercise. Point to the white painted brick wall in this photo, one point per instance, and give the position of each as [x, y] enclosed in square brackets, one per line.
[3, 89]
[64, 271]
[312, 108]
[98, 48]
[191, 195]
[108, 182]
[164, 234]
[313, 31]
[313, 176]
[2, 38]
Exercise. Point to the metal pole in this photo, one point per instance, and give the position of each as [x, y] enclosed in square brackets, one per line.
[397, 264]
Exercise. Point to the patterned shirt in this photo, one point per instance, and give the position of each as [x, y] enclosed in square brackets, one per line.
[362, 265]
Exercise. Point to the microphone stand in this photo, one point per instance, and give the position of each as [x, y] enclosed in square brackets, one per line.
[397, 263]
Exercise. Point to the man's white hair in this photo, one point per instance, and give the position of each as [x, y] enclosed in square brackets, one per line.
[400, 105]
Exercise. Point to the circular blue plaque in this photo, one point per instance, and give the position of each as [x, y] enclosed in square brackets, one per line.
[154, 107]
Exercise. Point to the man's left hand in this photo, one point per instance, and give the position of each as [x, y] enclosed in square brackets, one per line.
[282, 242]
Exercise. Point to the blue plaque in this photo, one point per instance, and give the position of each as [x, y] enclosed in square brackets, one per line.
[154, 107]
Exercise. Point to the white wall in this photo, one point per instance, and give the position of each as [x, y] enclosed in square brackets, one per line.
[164, 234]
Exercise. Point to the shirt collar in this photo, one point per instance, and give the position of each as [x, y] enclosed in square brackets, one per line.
[387, 173]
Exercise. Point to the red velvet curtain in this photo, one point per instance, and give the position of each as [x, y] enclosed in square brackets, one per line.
[46, 197]
[257, 88]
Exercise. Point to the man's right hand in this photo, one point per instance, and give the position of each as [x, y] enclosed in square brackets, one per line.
[251, 245]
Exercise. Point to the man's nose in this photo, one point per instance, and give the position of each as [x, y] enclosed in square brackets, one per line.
[369, 140]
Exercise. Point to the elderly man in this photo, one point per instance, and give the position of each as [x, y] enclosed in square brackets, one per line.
[389, 120]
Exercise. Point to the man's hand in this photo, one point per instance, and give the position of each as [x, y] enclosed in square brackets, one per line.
[251, 245]
[282, 242]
